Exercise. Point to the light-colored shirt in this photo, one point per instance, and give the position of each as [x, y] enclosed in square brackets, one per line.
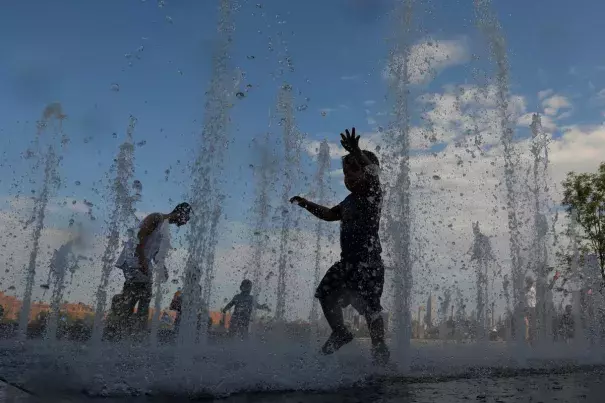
[155, 251]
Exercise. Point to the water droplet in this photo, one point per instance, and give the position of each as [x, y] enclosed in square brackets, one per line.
[301, 108]
[114, 135]
[436, 177]
[115, 87]
[78, 183]
[251, 57]
[324, 113]
[169, 19]
[240, 95]
[44, 286]
[137, 185]
[141, 143]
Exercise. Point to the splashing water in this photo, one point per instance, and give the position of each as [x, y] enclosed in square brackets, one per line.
[545, 306]
[292, 144]
[398, 225]
[323, 167]
[482, 254]
[64, 260]
[51, 182]
[489, 25]
[205, 194]
[121, 216]
[263, 173]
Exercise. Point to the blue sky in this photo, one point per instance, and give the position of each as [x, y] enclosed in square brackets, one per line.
[159, 55]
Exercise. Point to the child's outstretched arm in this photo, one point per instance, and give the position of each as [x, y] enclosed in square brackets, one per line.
[321, 212]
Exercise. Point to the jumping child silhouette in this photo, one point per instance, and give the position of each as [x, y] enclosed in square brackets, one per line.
[358, 277]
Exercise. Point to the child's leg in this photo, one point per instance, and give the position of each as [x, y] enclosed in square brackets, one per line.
[329, 291]
[333, 312]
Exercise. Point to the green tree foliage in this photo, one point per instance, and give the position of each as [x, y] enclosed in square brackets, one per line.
[584, 194]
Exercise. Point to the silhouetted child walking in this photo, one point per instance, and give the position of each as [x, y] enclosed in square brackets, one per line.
[358, 277]
[243, 303]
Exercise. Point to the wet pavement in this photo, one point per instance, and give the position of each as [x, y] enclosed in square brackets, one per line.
[580, 386]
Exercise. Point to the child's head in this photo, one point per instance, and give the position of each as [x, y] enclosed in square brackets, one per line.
[353, 171]
[246, 286]
[181, 214]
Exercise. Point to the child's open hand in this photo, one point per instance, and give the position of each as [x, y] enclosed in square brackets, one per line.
[298, 200]
[349, 141]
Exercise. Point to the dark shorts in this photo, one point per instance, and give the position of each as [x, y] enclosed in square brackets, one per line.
[359, 284]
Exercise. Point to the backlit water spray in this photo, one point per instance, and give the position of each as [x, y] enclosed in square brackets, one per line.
[263, 173]
[490, 27]
[291, 143]
[544, 307]
[323, 168]
[63, 261]
[121, 218]
[205, 197]
[398, 225]
[49, 185]
[483, 256]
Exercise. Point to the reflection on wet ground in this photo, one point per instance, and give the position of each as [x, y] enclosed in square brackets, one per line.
[581, 386]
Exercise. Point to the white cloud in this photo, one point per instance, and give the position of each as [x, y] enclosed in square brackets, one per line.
[466, 110]
[548, 124]
[553, 104]
[545, 93]
[428, 58]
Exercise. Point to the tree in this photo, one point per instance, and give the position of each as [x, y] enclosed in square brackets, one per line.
[584, 195]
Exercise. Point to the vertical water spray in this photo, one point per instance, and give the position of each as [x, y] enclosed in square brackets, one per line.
[399, 195]
[263, 173]
[539, 150]
[489, 25]
[482, 254]
[120, 218]
[160, 275]
[578, 308]
[205, 194]
[291, 142]
[63, 261]
[323, 167]
[50, 183]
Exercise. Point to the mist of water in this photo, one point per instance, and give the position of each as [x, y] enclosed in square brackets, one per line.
[292, 147]
[490, 27]
[483, 256]
[205, 195]
[545, 306]
[398, 225]
[323, 167]
[122, 217]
